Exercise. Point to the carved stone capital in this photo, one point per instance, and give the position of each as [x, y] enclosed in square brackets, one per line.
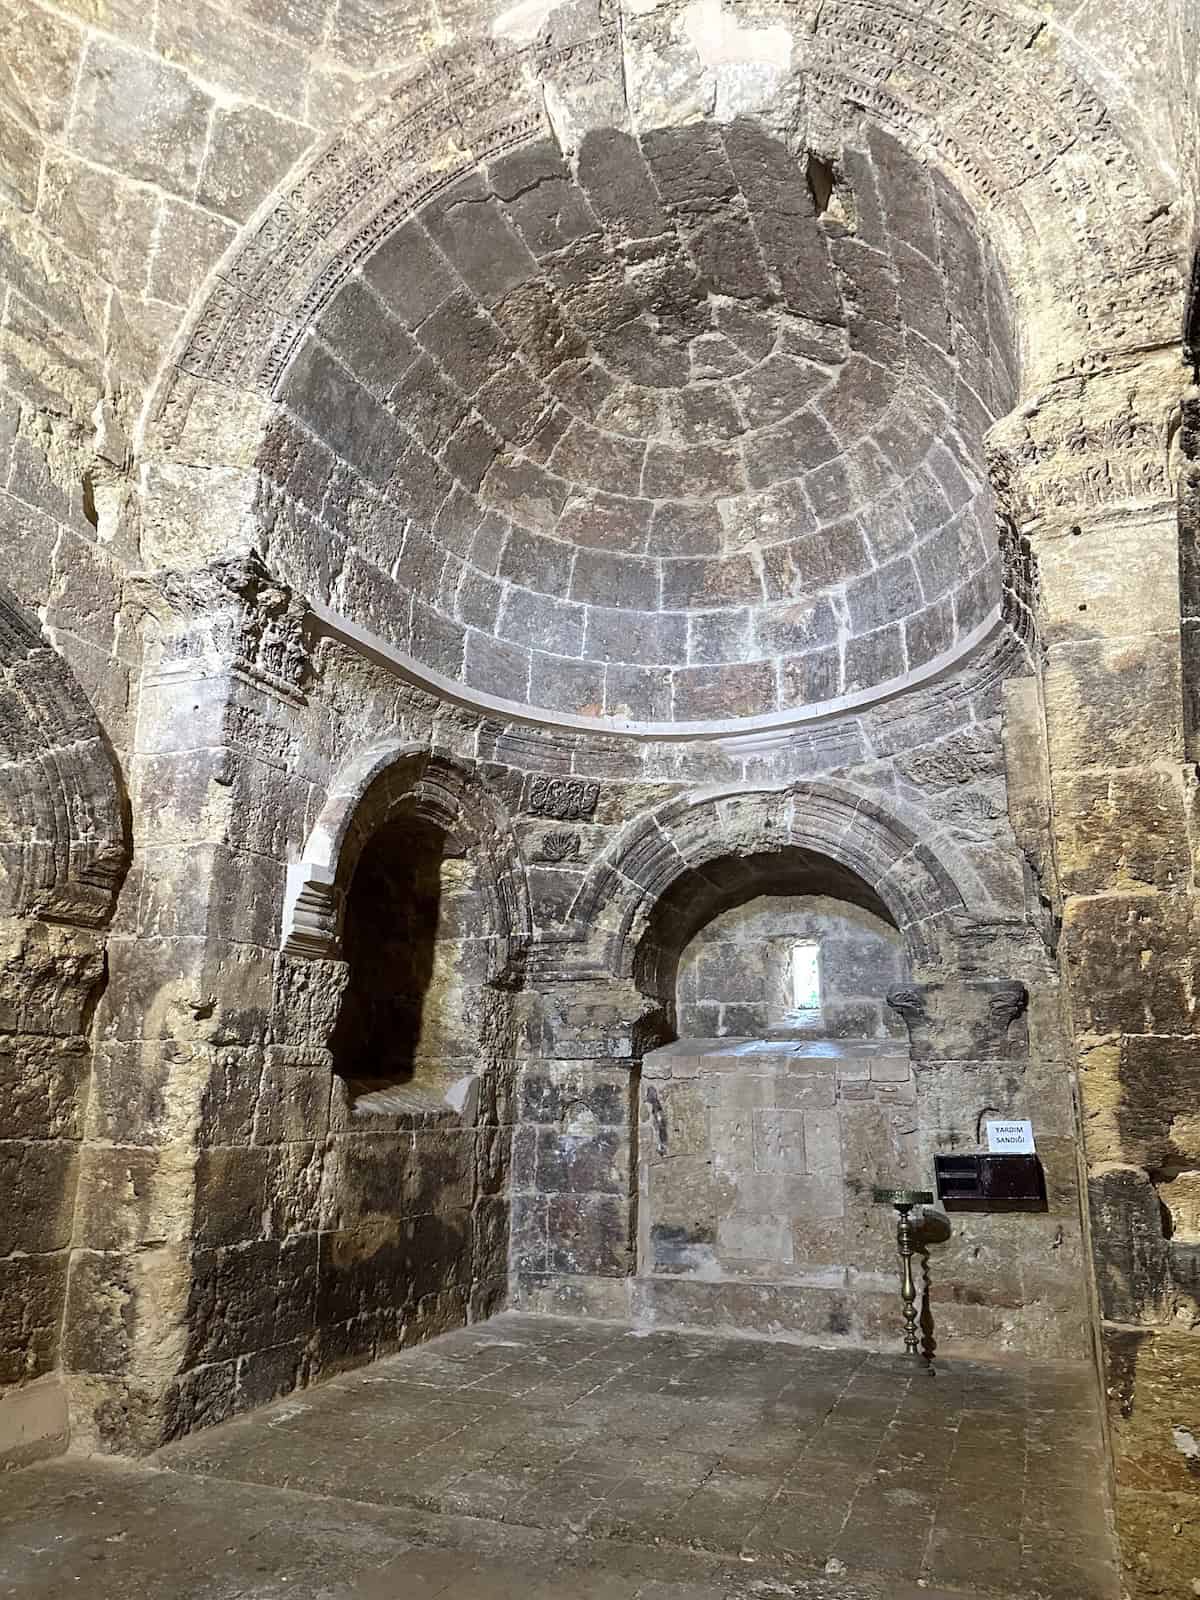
[969, 1020]
[312, 911]
[1095, 440]
[232, 610]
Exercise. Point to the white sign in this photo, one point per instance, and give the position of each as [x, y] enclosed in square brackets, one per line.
[1009, 1138]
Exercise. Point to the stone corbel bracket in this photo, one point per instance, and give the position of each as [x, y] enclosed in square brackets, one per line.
[965, 1019]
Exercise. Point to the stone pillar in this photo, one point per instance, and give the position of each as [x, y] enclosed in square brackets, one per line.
[574, 1208]
[48, 979]
[194, 1265]
[1087, 471]
[992, 1048]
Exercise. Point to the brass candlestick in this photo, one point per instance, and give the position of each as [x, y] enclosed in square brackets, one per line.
[904, 1200]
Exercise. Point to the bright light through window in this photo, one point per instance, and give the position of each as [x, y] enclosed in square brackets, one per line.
[806, 977]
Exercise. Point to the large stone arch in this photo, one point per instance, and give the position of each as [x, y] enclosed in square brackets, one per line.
[1059, 195]
[64, 843]
[698, 831]
[1075, 213]
[365, 794]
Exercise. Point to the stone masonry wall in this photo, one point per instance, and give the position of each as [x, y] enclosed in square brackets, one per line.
[135, 142]
[735, 975]
[1110, 716]
[48, 981]
[757, 1165]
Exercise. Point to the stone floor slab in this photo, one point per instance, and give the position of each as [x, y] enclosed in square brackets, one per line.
[543, 1458]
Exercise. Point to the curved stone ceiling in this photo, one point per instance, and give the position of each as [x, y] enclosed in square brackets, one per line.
[687, 431]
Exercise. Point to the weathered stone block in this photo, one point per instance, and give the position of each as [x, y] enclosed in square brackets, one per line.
[32, 1293]
[1160, 1539]
[1132, 961]
[249, 151]
[188, 243]
[1138, 1097]
[230, 1195]
[199, 1399]
[38, 1177]
[293, 1098]
[565, 1092]
[40, 1081]
[1128, 1244]
[588, 1234]
[528, 1233]
[1120, 831]
[132, 1197]
[268, 1374]
[1149, 1375]
[249, 1297]
[138, 115]
[596, 1162]
[1114, 703]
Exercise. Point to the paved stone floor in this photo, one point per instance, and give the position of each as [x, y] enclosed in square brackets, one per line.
[538, 1459]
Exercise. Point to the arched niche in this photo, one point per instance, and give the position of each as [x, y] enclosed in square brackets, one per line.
[376, 788]
[790, 946]
[364, 328]
[691, 856]
[413, 882]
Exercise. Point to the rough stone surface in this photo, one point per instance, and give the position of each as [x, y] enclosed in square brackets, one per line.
[414, 422]
[615, 1444]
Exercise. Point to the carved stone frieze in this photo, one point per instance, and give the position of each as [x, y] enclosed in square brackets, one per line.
[1093, 441]
[564, 799]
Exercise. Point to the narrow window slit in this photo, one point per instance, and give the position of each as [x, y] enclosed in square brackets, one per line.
[806, 976]
[821, 180]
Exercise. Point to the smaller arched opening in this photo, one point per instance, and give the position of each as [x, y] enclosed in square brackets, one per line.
[418, 941]
[781, 945]
[411, 897]
[413, 881]
[787, 1094]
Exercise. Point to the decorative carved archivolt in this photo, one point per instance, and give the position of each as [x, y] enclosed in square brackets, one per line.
[403, 778]
[850, 829]
[64, 844]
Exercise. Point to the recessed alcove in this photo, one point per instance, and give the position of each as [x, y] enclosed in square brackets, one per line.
[787, 1095]
[416, 964]
[802, 966]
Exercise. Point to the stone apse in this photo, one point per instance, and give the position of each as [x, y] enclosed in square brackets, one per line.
[636, 496]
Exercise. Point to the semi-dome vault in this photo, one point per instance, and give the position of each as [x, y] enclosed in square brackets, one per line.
[668, 413]
[686, 432]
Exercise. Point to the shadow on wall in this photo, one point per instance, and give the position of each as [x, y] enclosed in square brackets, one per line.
[416, 950]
